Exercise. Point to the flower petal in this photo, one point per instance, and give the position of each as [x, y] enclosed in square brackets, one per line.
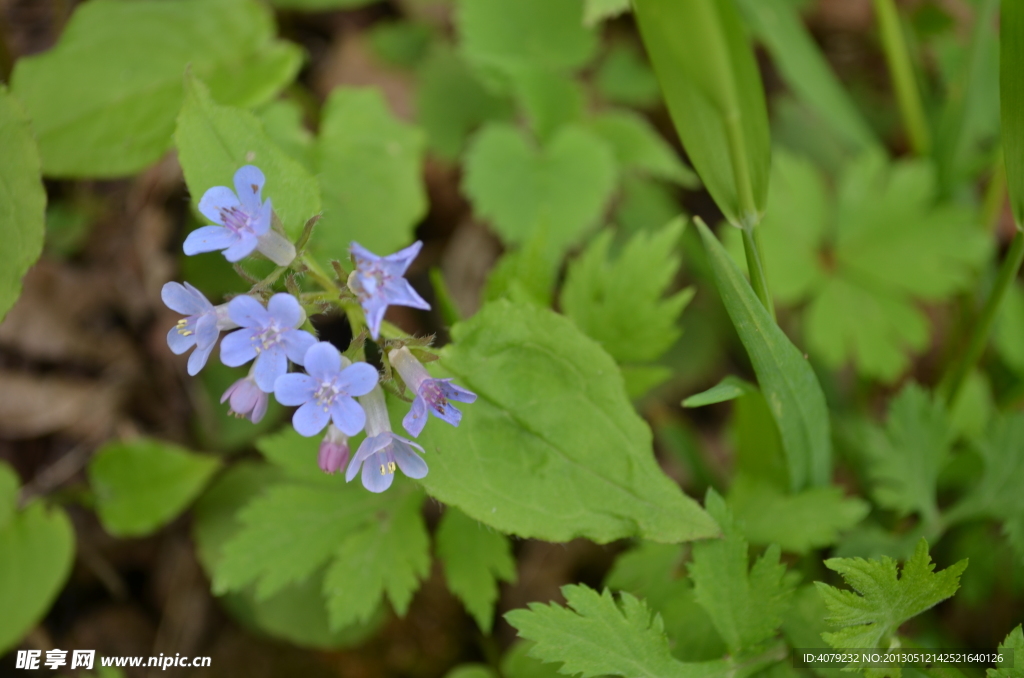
[411, 463]
[416, 419]
[237, 348]
[248, 312]
[179, 298]
[206, 330]
[457, 393]
[285, 309]
[198, 359]
[244, 247]
[262, 219]
[371, 445]
[270, 364]
[216, 199]
[295, 388]
[448, 413]
[259, 409]
[178, 342]
[310, 419]
[322, 360]
[376, 477]
[249, 181]
[358, 379]
[243, 394]
[361, 253]
[209, 239]
[296, 343]
[398, 263]
[347, 415]
[374, 310]
[399, 292]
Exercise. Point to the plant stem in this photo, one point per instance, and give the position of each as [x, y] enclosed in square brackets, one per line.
[950, 387]
[898, 58]
[755, 265]
[995, 195]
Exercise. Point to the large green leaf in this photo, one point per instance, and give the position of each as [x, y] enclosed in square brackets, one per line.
[22, 200]
[142, 484]
[785, 376]
[370, 167]
[562, 186]
[711, 84]
[37, 548]
[103, 101]
[214, 141]
[778, 25]
[1011, 101]
[552, 448]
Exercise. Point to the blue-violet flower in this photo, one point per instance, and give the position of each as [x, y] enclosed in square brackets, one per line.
[381, 452]
[200, 327]
[243, 222]
[248, 401]
[334, 450]
[378, 283]
[326, 393]
[432, 395]
[268, 335]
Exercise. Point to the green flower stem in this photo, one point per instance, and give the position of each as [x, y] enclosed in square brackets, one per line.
[995, 195]
[950, 387]
[755, 265]
[898, 58]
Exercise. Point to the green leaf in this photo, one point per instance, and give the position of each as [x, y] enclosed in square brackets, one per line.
[472, 671]
[745, 606]
[645, 205]
[562, 186]
[1010, 328]
[778, 25]
[518, 663]
[863, 256]
[872, 613]
[526, 274]
[997, 494]
[475, 559]
[784, 375]
[282, 121]
[652, 571]
[1011, 102]
[451, 102]
[641, 379]
[400, 43]
[759, 452]
[638, 147]
[729, 388]
[596, 11]
[389, 555]
[622, 303]
[907, 456]
[8, 493]
[290, 530]
[553, 416]
[214, 141]
[1013, 647]
[296, 613]
[22, 200]
[370, 171]
[501, 37]
[142, 484]
[103, 101]
[38, 547]
[799, 522]
[623, 77]
[713, 89]
[550, 99]
[598, 636]
[320, 5]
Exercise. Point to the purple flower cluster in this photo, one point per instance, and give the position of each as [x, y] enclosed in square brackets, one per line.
[269, 337]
